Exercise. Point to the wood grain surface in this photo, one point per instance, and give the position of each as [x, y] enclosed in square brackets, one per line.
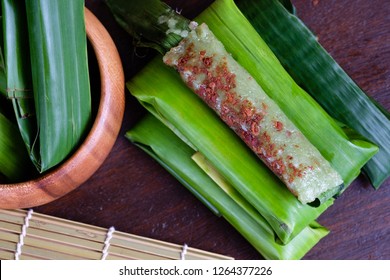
[136, 195]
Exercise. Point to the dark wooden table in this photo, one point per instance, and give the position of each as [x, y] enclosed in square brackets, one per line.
[136, 195]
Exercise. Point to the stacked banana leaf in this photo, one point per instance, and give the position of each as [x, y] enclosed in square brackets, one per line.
[192, 143]
[45, 80]
[177, 157]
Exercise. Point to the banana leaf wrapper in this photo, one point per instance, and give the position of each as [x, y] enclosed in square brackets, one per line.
[17, 69]
[251, 51]
[213, 75]
[176, 157]
[197, 125]
[15, 164]
[313, 68]
[183, 112]
[60, 79]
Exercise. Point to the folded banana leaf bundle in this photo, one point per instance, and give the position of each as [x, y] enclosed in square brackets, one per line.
[257, 191]
[176, 156]
[18, 72]
[313, 68]
[46, 76]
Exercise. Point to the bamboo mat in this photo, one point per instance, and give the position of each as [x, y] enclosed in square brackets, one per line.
[27, 235]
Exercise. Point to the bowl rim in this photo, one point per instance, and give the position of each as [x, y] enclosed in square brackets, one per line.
[97, 144]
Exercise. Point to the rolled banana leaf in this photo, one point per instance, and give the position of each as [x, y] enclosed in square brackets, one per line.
[313, 68]
[18, 73]
[15, 164]
[209, 70]
[164, 146]
[161, 36]
[59, 64]
[183, 112]
[228, 24]
[168, 99]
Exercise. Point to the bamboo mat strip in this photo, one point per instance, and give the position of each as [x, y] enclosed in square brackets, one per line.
[54, 238]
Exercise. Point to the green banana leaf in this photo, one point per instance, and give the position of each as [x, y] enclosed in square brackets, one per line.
[15, 163]
[312, 67]
[59, 65]
[177, 107]
[146, 35]
[223, 19]
[3, 79]
[18, 72]
[176, 156]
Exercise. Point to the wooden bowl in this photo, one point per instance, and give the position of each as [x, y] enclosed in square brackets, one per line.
[99, 141]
